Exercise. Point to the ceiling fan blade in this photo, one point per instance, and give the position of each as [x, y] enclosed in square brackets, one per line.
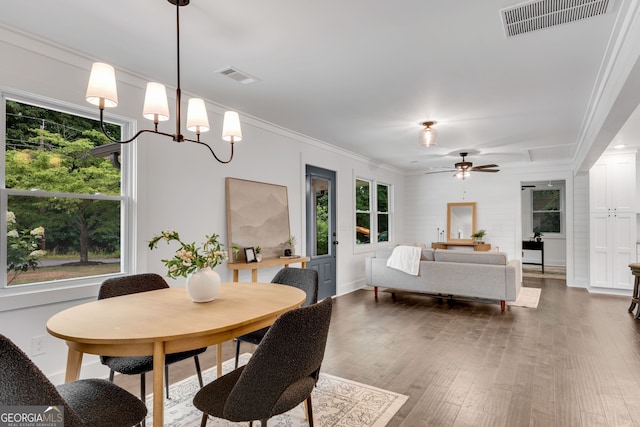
[448, 170]
[485, 166]
[485, 170]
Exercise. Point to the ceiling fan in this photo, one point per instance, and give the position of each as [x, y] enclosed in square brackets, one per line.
[463, 168]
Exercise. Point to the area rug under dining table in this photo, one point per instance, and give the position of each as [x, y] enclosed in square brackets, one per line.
[336, 402]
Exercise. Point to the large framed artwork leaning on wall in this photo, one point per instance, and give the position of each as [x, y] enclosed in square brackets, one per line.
[257, 215]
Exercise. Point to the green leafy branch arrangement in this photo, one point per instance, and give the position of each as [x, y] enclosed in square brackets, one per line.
[189, 258]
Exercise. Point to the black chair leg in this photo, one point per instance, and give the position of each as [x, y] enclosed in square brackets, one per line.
[166, 379]
[111, 374]
[309, 411]
[237, 352]
[143, 395]
[204, 420]
[198, 371]
[263, 423]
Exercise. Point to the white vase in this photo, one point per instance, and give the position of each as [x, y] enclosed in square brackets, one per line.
[203, 285]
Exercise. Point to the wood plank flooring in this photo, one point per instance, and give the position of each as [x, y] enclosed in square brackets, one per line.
[573, 361]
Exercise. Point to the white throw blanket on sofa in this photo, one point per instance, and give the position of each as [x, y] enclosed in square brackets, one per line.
[406, 259]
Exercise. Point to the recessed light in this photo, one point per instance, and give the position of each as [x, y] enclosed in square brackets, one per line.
[619, 146]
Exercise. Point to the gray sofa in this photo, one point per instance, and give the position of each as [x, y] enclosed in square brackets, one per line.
[484, 275]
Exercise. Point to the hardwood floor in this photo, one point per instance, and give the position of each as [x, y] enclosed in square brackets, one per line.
[573, 361]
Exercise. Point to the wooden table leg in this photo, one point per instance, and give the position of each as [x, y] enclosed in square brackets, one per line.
[158, 383]
[235, 275]
[254, 275]
[74, 362]
[634, 295]
[219, 359]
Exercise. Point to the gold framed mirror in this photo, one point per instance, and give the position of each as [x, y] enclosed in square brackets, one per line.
[461, 221]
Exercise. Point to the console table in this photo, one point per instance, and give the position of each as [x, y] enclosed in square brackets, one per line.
[532, 245]
[476, 246]
[265, 263]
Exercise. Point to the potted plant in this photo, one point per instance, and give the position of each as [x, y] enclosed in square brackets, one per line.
[236, 252]
[537, 234]
[258, 253]
[290, 245]
[478, 235]
[196, 263]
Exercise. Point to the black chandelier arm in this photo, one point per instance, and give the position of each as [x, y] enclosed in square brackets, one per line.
[133, 138]
[211, 149]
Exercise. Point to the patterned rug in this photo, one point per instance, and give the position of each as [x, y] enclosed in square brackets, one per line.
[336, 402]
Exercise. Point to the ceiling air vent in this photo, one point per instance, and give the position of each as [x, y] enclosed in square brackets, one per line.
[237, 75]
[537, 15]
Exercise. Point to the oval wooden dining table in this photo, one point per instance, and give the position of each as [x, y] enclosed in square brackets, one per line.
[167, 321]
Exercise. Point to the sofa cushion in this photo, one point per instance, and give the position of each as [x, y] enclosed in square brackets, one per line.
[427, 255]
[383, 252]
[420, 245]
[471, 257]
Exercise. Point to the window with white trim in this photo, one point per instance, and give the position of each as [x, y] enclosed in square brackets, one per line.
[65, 195]
[372, 211]
[546, 207]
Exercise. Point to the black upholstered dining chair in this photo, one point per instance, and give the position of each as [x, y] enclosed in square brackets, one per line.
[90, 402]
[134, 365]
[280, 374]
[302, 278]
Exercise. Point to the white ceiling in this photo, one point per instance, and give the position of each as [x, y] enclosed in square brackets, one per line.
[358, 74]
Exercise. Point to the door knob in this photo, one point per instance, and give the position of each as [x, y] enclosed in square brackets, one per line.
[335, 242]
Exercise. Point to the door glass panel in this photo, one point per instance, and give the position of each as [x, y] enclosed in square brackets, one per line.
[320, 189]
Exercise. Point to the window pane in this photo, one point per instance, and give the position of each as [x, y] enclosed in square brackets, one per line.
[363, 195]
[383, 198]
[61, 238]
[546, 200]
[383, 228]
[53, 151]
[546, 222]
[362, 228]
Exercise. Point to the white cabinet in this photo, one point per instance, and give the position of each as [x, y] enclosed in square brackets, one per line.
[612, 192]
[612, 184]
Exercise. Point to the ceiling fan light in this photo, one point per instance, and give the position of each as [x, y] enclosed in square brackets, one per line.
[463, 174]
[428, 137]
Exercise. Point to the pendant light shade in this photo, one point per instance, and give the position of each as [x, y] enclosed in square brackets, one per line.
[102, 86]
[428, 137]
[231, 127]
[197, 120]
[156, 106]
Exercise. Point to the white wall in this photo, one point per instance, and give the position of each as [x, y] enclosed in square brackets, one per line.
[180, 186]
[499, 209]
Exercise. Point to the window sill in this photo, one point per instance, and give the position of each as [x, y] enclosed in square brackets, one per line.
[36, 295]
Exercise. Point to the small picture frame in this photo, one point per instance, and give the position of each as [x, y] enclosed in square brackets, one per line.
[250, 255]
